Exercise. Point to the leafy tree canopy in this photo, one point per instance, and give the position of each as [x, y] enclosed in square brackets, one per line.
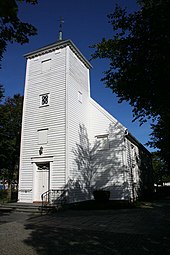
[12, 29]
[160, 173]
[139, 72]
[1, 92]
[160, 138]
[10, 133]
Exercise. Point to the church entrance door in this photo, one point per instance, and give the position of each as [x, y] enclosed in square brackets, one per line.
[42, 175]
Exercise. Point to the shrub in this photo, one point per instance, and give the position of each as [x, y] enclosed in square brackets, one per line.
[3, 194]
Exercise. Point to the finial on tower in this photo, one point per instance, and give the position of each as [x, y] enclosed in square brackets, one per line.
[60, 34]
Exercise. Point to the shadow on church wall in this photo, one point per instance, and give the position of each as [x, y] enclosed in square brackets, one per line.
[97, 167]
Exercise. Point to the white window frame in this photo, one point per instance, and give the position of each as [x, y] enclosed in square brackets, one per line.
[80, 97]
[46, 65]
[41, 99]
[42, 136]
[103, 141]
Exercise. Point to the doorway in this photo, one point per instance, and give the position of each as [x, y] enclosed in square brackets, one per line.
[42, 179]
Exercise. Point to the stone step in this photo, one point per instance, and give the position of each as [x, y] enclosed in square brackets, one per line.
[5, 209]
[21, 207]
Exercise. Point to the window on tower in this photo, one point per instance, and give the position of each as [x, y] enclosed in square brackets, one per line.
[80, 97]
[46, 65]
[44, 99]
[43, 136]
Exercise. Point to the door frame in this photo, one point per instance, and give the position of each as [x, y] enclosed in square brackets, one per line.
[42, 180]
[35, 161]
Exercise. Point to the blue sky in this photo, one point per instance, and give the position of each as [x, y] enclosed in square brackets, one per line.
[85, 23]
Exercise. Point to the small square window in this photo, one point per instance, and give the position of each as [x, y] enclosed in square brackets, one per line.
[42, 136]
[103, 142]
[46, 65]
[44, 99]
[80, 97]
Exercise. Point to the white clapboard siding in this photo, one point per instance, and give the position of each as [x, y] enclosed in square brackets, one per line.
[133, 168]
[61, 71]
[51, 117]
[112, 171]
[77, 114]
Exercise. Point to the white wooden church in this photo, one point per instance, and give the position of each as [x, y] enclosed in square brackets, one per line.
[59, 115]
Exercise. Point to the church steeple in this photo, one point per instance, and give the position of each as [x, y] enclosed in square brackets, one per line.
[60, 34]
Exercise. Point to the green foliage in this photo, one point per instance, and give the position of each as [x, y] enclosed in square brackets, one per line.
[160, 170]
[10, 132]
[3, 195]
[1, 92]
[160, 138]
[12, 29]
[139, 71]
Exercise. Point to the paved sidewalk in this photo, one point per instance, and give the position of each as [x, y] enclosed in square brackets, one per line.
[122, 231]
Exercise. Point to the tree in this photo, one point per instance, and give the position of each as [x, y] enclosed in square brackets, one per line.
[160, 138]
[1, 92]
[12, 29]
[10, 133]
[139, 71]
[160, 173]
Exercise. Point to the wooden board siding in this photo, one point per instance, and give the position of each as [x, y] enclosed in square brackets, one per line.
[77, 112]
[52, 117]
[62, 72]
[111, 161]
[133, 168]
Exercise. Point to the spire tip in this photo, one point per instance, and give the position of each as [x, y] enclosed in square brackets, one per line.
[60, 34]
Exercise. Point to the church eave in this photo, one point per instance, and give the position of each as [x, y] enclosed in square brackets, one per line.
[59, 45]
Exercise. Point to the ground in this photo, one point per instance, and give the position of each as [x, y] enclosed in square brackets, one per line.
[138, 231]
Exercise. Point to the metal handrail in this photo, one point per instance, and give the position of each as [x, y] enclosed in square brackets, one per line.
[53, 197]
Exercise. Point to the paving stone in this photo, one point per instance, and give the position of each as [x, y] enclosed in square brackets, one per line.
[123, 231]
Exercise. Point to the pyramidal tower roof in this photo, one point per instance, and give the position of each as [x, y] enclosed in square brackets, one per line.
[58, 45]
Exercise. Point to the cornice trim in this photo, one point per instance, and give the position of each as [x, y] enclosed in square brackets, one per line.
[59, 45]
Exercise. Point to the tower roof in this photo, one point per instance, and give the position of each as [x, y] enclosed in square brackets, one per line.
[59, 45]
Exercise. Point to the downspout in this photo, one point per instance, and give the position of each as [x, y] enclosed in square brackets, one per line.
[131, 169]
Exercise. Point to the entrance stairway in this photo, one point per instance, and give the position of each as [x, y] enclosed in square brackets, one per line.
[52, 200]
[21, 207]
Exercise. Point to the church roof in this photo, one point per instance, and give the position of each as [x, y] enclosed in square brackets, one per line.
[59, 45]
